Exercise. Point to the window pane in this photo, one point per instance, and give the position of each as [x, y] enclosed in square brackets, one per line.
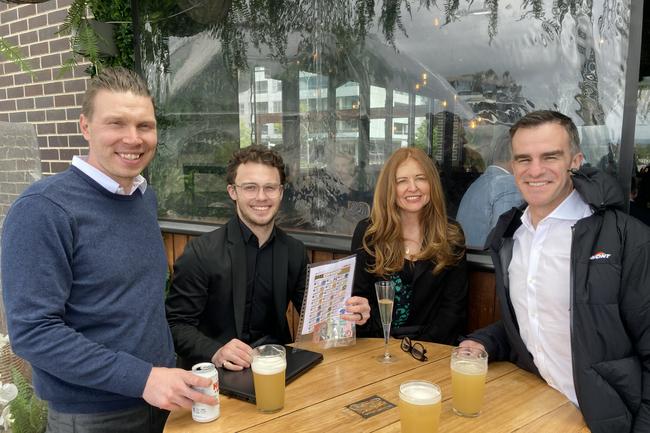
[640, 190]
[335, 88]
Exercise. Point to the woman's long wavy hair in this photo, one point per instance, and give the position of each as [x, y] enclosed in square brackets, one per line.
[443, 243]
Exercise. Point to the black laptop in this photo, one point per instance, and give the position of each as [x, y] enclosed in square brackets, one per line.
[239, 384]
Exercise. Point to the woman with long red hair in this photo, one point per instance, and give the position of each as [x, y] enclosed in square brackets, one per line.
[409, 240]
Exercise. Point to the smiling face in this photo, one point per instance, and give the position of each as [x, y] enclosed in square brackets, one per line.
[411, 187]
[121, 135]
[259, 211]
[541, 162]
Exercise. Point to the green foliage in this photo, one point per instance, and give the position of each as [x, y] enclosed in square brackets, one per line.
[244, 134]
[241, 25]
[642, 153]
[537, 9]
[421, 139]
[391, 18]
[85, 41]
[168, 283]
[436, 141]
[30, 413]
[168, 179]
[119, 13]
[76, 13]
[493, 5]
[12, 54]
[267, 22]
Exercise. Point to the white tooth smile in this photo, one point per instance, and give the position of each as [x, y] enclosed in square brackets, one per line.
[130, 156]
[537, 183]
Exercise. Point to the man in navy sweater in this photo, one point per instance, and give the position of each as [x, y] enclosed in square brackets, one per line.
[83, 272]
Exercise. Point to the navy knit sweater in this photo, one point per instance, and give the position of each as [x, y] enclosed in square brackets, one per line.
[83, 274]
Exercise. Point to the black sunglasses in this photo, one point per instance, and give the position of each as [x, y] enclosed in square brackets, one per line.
[416, 349]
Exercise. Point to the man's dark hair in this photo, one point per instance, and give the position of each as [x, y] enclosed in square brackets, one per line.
[258, 154]
[501, 151]
[537, 118]
[113, 79]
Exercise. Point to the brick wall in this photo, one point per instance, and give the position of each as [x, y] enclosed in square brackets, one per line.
[50, 101]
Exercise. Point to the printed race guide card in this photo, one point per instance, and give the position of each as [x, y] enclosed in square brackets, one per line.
[329, 284]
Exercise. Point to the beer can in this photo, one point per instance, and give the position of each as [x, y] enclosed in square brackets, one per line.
[204, 412]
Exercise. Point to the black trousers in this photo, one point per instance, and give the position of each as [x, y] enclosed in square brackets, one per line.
[141, 419]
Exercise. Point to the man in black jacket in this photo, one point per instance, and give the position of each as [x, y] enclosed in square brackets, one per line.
[573, 279]
[232, 286]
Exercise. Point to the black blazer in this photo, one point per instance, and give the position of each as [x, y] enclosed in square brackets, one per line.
[439, 302]
[205, 305]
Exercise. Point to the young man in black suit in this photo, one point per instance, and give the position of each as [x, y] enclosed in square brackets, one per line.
[232, 286]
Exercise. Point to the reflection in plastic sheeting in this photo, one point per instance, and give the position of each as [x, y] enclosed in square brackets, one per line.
[337, 86]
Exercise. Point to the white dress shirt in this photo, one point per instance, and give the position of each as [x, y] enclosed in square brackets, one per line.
[540, 290]
[81, 162]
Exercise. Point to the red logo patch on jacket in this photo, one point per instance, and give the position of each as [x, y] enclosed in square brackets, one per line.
[600, 255]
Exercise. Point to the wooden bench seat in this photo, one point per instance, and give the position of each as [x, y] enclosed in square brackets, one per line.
[483, 308]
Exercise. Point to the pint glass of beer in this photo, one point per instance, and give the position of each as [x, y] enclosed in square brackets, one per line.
[468, 370]
[419, 406]
[269, 365]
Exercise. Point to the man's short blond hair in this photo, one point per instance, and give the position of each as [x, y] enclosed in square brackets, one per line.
[115, 79]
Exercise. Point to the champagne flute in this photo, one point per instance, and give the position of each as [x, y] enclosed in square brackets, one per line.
[385, 291]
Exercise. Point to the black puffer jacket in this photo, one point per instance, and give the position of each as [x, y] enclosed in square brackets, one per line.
[610, 308]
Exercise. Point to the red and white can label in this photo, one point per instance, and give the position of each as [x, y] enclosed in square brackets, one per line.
[205, 412]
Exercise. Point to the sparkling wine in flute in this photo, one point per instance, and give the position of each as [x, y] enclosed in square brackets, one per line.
[386, 310]
[385, 291]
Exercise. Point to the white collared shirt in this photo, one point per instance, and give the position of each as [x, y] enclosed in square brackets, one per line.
[540, 290]
[81, 162]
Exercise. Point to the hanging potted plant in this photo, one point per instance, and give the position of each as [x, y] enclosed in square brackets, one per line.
[89, 38]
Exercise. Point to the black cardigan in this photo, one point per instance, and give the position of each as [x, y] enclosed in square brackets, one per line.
[439, 302]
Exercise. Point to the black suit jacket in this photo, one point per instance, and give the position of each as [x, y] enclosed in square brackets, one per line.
[438, 306]
[205, 305]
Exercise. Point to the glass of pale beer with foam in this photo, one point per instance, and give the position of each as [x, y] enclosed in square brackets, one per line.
[419, 406]
[269, 366]
[468, 370]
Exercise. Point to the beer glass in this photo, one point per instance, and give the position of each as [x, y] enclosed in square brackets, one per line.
[419, 406]
[468, 370]
[269, 366]
[385, 291]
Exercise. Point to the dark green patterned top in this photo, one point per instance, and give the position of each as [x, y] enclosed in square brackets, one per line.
[403, 294]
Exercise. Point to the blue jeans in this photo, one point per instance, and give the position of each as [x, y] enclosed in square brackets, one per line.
[141, 419]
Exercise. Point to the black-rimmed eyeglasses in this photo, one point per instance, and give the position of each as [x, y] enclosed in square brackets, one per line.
[416, 349]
